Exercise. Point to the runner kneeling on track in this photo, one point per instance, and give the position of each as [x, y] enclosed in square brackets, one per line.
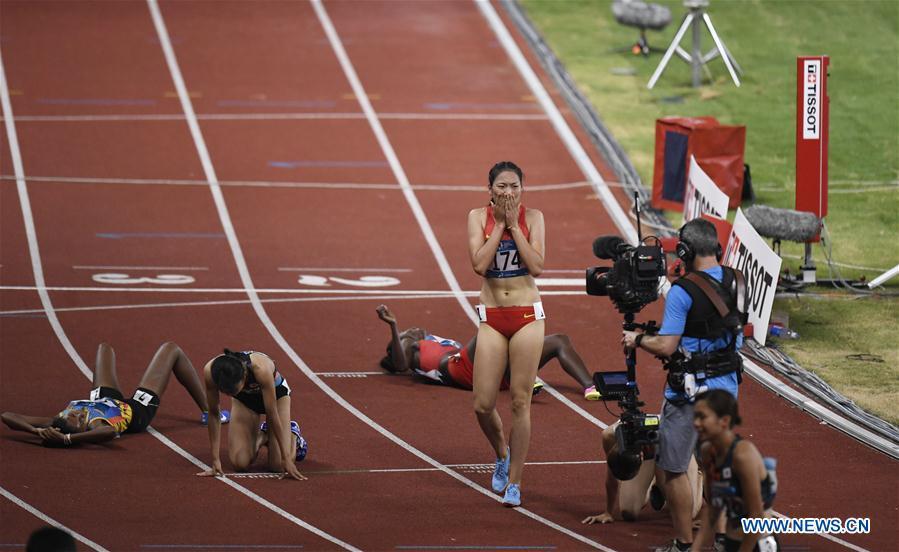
[628, 482]
[258, 388]
[447, 362]
[108, 414]
[739, 481]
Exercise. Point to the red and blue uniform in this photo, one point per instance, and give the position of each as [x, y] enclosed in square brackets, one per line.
[507, 264]
[456, 371]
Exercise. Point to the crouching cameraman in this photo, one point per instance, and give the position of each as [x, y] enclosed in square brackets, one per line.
[699, 338]
[628, 480]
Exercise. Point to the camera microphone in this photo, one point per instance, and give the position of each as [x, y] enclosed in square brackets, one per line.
[782, 224]
[608, 247]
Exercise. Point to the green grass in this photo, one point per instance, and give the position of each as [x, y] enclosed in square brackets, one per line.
[765, 37]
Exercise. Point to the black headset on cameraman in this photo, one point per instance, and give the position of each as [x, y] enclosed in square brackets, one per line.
[686, 253]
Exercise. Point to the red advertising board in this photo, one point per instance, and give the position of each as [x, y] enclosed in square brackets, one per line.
[812, 121]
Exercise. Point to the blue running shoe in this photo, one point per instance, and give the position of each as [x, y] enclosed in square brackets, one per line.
[302, 445]
[513, 496]
[224, 417]
[501, 472]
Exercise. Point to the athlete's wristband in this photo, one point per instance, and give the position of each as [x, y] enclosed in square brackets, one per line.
[638, 339]
[67, 438]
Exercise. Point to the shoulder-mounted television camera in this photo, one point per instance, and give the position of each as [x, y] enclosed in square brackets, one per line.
[632, 282]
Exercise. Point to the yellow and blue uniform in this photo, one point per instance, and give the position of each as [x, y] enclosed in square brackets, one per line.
[112, 412]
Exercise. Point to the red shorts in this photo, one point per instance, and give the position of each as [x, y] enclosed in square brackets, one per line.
[461, 370]
[508, 320]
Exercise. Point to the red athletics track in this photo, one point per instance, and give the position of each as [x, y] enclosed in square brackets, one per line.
[266, 58]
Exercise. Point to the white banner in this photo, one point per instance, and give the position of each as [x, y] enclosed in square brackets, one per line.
[748, 252]
[811, 96]
[703, 195]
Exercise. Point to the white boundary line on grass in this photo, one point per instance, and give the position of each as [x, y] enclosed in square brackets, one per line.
[49, 520]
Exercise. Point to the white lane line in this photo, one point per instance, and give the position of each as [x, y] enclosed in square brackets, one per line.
[286, 184]
[28, 220]
[100, 267]
[389, 153]
[344, 269]
[284, 291]
[183, 304]
[477, 468]
[287, 291]
[243, 271]
[246, 280]
[288, 117]
[48, 520]
[562, 282]
[409, 194]
[428, 233]
[38, 271]
[558, 122]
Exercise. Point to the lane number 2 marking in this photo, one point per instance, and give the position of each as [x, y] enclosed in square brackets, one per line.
[364, 281]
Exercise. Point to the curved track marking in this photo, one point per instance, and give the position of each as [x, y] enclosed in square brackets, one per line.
[243, 270]
[50, 521]
[40, 285]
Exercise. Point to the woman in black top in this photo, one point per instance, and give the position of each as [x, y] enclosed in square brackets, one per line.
[258, 389]
[738, 480]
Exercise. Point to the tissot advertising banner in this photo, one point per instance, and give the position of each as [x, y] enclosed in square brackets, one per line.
[748, 252]
[702, 195]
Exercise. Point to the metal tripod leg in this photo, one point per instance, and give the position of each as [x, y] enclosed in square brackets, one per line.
[671, 49]
[725, 54]
[695, 57]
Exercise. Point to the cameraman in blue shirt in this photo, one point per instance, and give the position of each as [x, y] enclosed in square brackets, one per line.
[699, 338]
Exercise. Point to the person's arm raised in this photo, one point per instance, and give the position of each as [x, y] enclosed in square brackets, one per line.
[531, 250]
[481, 251]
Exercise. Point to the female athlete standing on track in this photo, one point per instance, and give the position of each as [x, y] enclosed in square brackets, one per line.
[257, 388]
[506, 243]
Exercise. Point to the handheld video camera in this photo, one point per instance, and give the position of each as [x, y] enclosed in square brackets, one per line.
[632, 282]
[637, 432]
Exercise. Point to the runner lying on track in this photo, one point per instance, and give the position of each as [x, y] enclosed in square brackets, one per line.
[628, 483]
[447, 362]
[257, 388]
[740, 482]
[107, 414]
